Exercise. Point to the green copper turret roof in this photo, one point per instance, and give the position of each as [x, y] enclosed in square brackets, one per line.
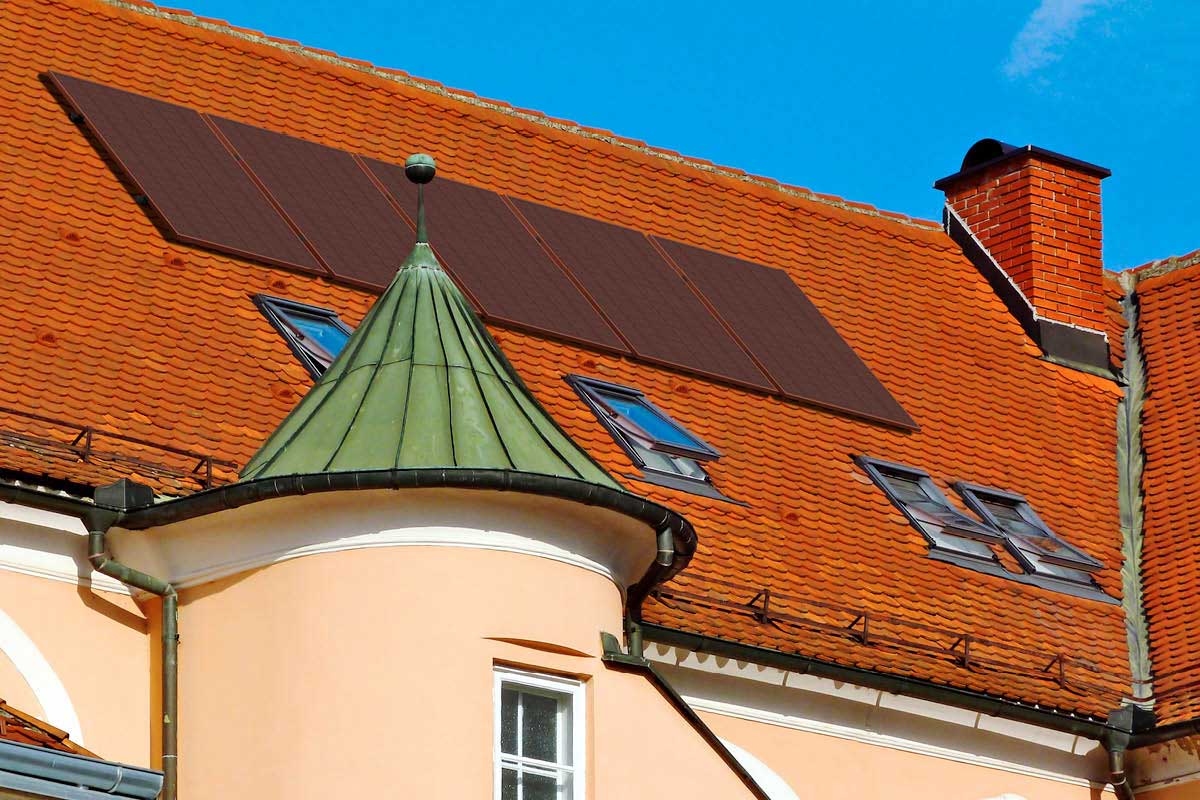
[421, 384]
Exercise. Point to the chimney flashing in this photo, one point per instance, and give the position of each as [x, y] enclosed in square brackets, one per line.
[987, 153]
[1061, 343]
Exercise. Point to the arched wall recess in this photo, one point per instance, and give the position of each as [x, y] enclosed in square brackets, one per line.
[43, 681]
[767, 779]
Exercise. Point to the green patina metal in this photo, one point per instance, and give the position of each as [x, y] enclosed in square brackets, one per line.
[1131, 461]
[421, 384]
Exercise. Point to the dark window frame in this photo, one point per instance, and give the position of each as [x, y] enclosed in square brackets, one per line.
[877, 469]
[276, 309]
[585, 387]
[974, 496]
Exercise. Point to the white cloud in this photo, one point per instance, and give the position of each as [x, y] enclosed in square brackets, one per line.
[1052, 25]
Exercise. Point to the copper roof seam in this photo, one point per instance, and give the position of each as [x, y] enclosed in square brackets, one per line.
[474, 371]
[536, 118]
[378, 365]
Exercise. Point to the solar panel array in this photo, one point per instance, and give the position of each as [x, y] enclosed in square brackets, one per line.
[259, 194]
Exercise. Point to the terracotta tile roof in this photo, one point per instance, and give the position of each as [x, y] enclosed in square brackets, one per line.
[134, 335]
[1169, 305]
[17, 726]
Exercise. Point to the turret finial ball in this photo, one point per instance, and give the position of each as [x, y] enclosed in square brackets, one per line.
[420, 168]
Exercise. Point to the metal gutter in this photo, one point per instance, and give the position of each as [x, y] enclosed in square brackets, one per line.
[1078, 725]
[615, 657]
[53, 773]
[676, 537]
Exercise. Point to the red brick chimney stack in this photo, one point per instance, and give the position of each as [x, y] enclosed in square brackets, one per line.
[1037, 213]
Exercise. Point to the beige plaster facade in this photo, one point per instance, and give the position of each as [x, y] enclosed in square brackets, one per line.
[344, 645]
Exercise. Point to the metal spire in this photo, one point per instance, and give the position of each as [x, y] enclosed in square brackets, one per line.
[421, 384]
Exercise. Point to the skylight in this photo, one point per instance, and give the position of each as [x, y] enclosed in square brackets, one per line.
[946, 528]
[1004, 519]
[316, 335]
[664, 450]
[1040, 551]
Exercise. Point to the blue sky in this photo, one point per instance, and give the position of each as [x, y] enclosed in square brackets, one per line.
[870, 101]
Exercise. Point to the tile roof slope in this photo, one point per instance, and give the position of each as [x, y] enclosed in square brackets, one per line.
[17, 726]
[134, 334]
[1169, 307]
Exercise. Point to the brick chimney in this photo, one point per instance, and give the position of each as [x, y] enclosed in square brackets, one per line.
[1037, 215]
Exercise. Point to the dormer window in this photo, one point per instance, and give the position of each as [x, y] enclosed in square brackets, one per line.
[1039, 550]
[666, 452]
[316, 335]
[947, 529]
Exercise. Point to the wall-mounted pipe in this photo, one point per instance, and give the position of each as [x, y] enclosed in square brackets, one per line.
[98, 523]
[1116, 769]
[98, 517]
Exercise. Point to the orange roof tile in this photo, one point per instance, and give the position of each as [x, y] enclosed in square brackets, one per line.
[134, 335]
[1168, 305]
[17, 726]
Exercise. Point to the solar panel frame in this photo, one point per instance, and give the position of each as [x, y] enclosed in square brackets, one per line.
[330, 197]
[811, 362]
[194, 187]
[651, 306]
[475, 231]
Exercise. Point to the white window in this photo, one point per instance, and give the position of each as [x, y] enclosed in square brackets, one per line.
[539, 747]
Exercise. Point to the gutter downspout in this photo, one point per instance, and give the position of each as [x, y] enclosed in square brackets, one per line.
[1117, 744]
[98, 521]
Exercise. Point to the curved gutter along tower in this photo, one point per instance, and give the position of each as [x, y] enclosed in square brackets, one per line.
[313, 583]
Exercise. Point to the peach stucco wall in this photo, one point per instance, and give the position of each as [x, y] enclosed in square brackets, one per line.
[368, 673]
[15, 689]
[1179, 791]
[821, 766]
[96, 643]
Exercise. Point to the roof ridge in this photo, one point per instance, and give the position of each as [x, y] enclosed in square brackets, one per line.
[1164, 266]
[218, 26]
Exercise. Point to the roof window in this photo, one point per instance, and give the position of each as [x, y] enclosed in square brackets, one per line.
[1039, 550]
[666, 452]
[948, 530]
[316, 335]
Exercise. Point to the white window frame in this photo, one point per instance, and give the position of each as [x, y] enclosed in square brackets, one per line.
[567, 688]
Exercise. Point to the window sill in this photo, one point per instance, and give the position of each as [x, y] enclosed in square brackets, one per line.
[701, 488]
[1041, 581]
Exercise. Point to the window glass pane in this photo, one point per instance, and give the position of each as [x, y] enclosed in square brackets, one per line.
[689, 468]
[508, 784]
[320, 329]
[539, 727]
[909, 490]
[1032, 539]
[539, 787]
[959, 544]
[647, 419]
[1046, 568]
[508, 721]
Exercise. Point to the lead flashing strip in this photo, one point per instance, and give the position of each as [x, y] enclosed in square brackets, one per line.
[1062, 343]
[1131, 462]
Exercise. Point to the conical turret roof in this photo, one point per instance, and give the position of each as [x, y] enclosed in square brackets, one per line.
[421, 384]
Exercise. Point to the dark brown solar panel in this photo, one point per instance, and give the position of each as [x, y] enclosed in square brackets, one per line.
[787, 334]
[191, 181]
[650, 304]
[330, 198]
[497, 260]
